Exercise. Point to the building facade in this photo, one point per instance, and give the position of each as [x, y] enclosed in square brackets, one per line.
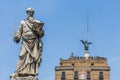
[83, 68]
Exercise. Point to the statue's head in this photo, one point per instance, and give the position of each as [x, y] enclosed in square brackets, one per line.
[30, 12]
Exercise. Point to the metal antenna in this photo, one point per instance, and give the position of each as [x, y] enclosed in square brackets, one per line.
[86, 43]
[87, 27]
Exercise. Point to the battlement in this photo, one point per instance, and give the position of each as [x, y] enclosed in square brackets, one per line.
[83, 58]
[82, 61]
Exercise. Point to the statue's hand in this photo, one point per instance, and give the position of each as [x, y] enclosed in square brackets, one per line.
[16, 39]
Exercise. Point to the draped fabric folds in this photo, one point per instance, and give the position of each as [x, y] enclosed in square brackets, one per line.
[31, 50]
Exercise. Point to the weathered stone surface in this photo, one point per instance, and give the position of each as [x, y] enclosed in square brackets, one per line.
[24, 78]
[30, 56]
[78, 67]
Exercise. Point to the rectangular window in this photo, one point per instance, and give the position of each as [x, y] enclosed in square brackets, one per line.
[76, 75]
[63, 76]
[101, 76]
[88, 75]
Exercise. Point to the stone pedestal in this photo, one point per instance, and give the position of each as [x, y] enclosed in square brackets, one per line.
[86, 54]
[24, 78]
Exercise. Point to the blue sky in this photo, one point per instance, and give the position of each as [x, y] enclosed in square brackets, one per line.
[65, 25]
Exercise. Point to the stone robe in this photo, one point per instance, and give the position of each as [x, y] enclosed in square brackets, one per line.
[31, 50]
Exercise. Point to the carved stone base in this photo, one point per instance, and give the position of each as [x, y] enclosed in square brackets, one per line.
[24, 78]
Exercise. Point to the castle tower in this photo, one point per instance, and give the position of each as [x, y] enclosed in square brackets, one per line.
[80, 68]
[83, 67]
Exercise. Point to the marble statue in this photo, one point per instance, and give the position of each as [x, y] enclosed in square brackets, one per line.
[30, 31]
